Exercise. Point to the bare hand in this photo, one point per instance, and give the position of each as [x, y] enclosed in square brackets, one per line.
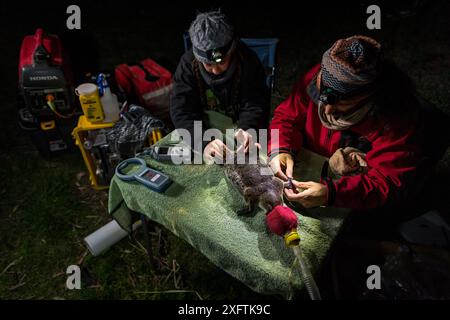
[243, 139]
[216, 151]
[283, 165]
[313, 195]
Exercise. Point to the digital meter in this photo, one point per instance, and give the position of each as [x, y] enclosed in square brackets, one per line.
[152, 179]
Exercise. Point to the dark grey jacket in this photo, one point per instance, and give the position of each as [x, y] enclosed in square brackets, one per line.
[252, 101]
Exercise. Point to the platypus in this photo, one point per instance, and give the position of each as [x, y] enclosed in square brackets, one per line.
[263, 190]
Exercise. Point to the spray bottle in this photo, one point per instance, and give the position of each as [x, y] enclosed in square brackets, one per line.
[109, 100]
[283, 222]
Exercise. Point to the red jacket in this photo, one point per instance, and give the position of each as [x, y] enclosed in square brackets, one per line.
[391, 149]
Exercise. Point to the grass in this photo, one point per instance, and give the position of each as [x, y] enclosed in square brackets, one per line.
[48, 207]
[47, 217]
[44, 218]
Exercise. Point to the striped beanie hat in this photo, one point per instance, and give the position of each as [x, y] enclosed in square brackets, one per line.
[351, 64]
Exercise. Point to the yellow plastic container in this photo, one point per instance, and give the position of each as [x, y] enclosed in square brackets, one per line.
[90, 102]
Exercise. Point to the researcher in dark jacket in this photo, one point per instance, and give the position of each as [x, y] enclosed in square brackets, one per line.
[220, 73]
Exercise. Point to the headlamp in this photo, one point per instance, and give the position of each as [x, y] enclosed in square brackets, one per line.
[215, 55]
[329, 96]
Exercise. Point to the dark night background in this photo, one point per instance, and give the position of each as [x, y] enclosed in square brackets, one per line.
[41, 228]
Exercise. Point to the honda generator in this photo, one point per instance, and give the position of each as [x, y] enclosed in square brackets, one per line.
[47, 109]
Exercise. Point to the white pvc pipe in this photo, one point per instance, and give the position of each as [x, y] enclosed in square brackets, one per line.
[105, 237]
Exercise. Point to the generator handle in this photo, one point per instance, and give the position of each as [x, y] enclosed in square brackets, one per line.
[41, 54]
[39, 36]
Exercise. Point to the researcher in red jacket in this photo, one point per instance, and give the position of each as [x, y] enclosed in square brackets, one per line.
[351, 109]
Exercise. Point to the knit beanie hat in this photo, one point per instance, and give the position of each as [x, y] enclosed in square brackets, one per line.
[351, 64]
[212, 37]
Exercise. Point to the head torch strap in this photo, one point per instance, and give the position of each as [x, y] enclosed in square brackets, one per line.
[331, 96]
[216, 54]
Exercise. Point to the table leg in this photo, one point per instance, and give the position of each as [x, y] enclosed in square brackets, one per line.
[148, 244]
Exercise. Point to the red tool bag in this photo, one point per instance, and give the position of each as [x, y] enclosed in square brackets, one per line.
[147, 84]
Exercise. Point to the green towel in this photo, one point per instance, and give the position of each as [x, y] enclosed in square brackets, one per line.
[200, 207]
[218, 120]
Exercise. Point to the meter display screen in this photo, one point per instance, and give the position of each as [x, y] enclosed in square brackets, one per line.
[152, 176]
[163, 150]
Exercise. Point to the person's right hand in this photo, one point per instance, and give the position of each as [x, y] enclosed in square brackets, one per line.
[216, 150]
[283, 165]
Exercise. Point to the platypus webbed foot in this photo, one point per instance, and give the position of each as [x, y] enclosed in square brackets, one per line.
[249, 209]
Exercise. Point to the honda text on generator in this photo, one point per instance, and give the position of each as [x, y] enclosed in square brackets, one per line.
[47, 108]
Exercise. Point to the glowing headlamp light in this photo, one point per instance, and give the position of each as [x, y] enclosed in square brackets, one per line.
[217, 56]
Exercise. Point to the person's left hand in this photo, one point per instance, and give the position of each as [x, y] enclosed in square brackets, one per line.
[216, 152]
[313, 195]
[348, 161]
[243, 139]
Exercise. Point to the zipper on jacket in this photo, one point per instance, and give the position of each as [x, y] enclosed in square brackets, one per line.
[328, 139]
